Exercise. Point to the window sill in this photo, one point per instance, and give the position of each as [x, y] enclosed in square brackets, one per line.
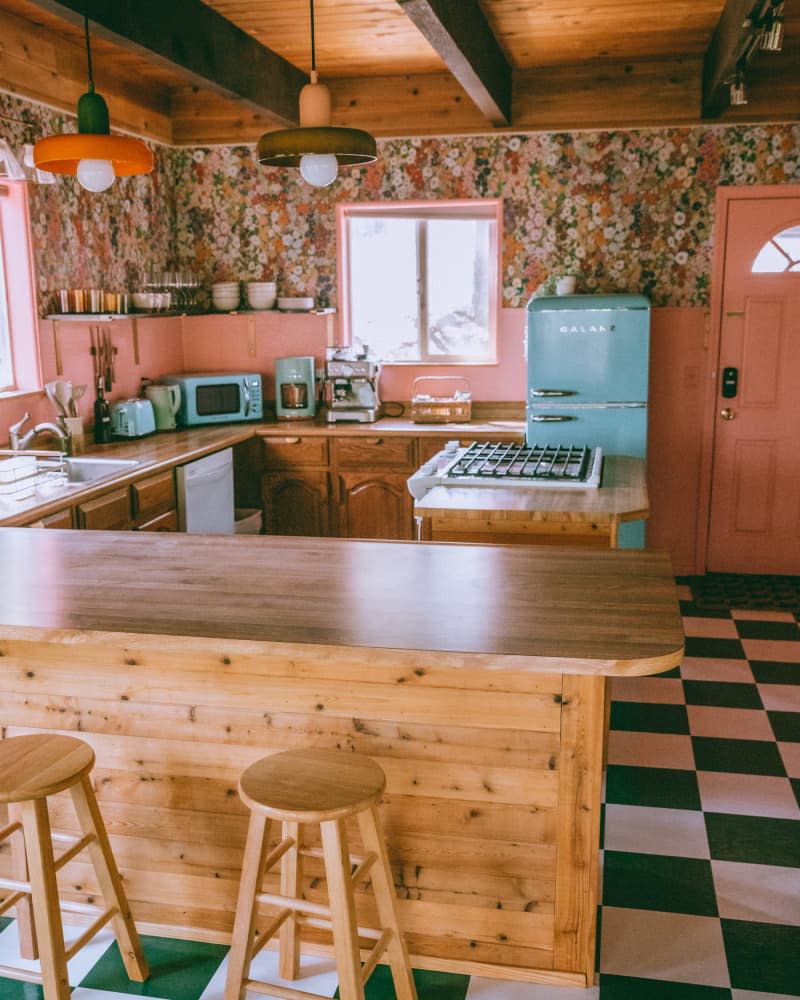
[6, 394]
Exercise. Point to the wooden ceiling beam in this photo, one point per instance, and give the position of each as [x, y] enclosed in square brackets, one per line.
[730, 46]
[460, 33]
[207, 49]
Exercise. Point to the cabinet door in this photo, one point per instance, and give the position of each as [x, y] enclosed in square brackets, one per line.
[374, 505]
[109, 512]
[296, 502]
[153, 497]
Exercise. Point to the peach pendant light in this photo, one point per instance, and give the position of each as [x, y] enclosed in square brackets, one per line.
[92, 154]
[317, 147]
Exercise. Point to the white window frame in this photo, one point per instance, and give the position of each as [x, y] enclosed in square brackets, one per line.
[490, 209]
[21, 313]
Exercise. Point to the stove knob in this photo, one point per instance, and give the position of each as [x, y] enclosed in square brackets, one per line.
[429, 469]
[451, 448]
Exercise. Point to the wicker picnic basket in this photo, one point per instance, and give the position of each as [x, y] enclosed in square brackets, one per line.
[426, 408]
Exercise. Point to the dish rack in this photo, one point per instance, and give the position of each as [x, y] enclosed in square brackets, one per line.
[427, 408]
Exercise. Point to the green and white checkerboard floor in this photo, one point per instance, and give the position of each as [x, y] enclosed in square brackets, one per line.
[701, 844]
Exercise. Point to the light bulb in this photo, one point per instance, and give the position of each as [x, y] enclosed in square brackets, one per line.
[96, 175]
[319, 169]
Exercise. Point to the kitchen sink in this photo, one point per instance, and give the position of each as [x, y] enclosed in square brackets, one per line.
[80, 471]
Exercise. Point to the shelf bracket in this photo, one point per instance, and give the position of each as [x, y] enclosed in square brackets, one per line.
[57, 348]
[135, 334]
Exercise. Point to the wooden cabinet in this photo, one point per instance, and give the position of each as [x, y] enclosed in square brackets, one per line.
[295, 486]
[148, 504]
[58, 519]
[153, 503]
[109, 512]
[370, 477]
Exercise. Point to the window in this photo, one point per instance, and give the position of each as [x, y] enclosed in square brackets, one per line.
[780, 253]
[418, 282]
[20, 370]
[6, 364]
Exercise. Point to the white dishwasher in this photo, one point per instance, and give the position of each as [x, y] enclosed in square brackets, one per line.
[205, 494]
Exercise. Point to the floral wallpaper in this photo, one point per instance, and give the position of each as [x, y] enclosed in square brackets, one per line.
[625, 211]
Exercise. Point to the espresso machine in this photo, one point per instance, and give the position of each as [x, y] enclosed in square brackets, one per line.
[351, 388]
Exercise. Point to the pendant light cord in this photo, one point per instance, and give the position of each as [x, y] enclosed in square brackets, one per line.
[89, 51]
[313, 49]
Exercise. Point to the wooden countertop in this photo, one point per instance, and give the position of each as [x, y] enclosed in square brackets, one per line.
[554, 610]
[622, 496]
[166, 450]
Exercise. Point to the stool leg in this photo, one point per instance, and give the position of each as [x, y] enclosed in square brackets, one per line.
[343, 909]
[386, 902]
[255, 856]
[28, 947]
[44, 894]
[105, 867]
[291, 885]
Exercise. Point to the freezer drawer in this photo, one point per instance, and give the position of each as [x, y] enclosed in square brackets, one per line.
[618, 430]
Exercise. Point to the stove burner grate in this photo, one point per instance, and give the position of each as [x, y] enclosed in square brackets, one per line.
[491, 461]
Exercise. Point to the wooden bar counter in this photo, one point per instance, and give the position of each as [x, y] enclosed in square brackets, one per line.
[475, 675]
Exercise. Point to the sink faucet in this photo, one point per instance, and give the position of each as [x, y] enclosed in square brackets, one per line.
[18, 443]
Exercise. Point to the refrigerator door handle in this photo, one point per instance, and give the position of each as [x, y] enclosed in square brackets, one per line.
[553, 392]
[550, 418]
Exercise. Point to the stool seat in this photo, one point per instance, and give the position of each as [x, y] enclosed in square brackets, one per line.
[33, 767]
[312, 786]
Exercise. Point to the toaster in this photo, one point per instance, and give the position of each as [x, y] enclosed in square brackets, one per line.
[132, 418]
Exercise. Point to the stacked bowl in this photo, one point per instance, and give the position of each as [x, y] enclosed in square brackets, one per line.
[225, 295]
[261, 294]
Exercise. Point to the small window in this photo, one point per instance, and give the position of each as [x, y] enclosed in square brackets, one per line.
[20, 365]
[780, 253]
[6, 361]
[418, 283]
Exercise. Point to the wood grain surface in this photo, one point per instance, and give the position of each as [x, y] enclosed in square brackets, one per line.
[612, 612]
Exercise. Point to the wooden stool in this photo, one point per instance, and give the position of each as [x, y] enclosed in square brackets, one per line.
[324, 787]
[31, 768]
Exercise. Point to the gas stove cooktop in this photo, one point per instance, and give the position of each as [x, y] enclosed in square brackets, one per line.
[510, 465]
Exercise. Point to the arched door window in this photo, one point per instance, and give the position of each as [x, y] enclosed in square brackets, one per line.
[780, 253]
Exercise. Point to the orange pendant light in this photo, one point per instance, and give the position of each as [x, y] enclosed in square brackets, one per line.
[92, 154]
[317, 147]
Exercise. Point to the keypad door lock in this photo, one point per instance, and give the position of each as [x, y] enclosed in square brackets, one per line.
[730, 382]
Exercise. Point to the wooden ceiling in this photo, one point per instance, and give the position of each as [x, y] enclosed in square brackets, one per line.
[225, 71]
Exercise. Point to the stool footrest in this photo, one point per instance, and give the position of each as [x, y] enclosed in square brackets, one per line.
[374, 956]
[90, 932]
[9, 901]
[25, 975]
[6, 831]
[297, 905]
[269, 932]
[281, 992]
[78, 844]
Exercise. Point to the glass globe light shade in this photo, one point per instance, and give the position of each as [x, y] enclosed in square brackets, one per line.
[96, 175]
[319, 169]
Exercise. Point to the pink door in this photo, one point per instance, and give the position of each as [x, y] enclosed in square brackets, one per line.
[754, 524]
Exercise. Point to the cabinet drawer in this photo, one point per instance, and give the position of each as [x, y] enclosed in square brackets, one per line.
[153, 496]
[282, 452]
[369, 452]
[110, 512]
[59, 519]
[164, 522]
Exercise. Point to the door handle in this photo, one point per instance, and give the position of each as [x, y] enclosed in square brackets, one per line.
[727, 413]
[548, 418]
